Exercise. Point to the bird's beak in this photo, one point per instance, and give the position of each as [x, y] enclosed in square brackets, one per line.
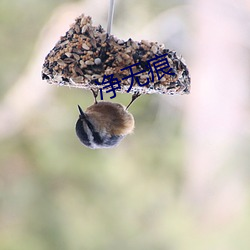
[82, 115]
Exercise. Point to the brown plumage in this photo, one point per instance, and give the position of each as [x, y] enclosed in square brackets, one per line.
[104, 124]
[110, 117]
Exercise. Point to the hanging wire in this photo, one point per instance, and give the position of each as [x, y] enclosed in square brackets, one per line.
[110, 15]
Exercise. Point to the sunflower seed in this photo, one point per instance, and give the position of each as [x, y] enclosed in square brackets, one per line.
[85, 46]
[154, 49]
[88, 62]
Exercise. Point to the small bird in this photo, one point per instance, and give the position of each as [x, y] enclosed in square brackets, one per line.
[104, 124]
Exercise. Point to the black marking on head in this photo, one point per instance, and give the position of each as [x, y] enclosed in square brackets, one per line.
[81, 133]
[97, 139]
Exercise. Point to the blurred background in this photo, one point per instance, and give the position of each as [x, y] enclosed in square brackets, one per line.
[180, 182]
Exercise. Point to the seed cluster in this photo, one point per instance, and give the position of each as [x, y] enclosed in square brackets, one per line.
[87, 53]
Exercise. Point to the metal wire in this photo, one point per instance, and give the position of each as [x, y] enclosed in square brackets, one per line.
[110, 15]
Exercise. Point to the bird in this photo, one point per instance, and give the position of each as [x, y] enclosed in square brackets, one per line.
[104, 124]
